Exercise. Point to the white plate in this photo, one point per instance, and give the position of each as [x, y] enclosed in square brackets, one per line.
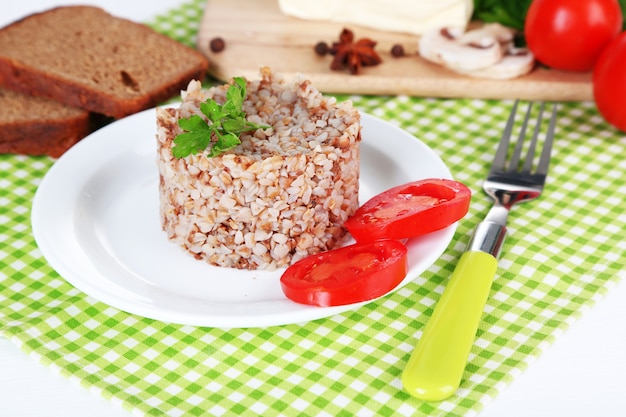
[95, 218]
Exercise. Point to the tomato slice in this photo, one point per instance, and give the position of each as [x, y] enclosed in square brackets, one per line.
[351, 274]
[410, 210]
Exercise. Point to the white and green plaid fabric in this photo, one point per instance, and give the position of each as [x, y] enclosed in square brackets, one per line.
[564, 251]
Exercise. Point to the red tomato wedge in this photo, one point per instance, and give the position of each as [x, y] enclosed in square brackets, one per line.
[351, 274]
[410, 210]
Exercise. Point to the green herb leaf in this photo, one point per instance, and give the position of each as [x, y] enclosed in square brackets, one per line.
[195, 140]
[211, 110]
[234, 125]
[224, 143]
[226, 122]
[236, 94]
[511, 13]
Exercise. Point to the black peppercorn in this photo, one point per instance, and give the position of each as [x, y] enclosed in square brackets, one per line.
[321, 48]
[217, 44]
[397, 50]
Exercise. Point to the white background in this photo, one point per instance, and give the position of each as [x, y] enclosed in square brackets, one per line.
[582, 374]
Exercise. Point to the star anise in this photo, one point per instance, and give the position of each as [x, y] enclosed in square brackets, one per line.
[351, 54]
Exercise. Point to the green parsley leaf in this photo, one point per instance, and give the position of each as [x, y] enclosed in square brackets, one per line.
[226, 122]
[195, 140]
[236, 94]
[224, 143]
[506, 12]
[211, 110]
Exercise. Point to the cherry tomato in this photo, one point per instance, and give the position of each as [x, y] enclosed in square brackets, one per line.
[609, 83]
[570, 34]
[351, 274]
[410, 210]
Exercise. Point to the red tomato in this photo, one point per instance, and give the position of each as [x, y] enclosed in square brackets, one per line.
[347, 275]
[410, 210]
[609, 83]
[570, 34]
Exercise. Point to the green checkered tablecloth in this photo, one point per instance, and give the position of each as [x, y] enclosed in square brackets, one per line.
[564, 251]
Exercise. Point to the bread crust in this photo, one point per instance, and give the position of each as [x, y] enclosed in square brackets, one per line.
[49, 128]
[32, 81]
[32, 125]
[53, 144]
[45, 137]
[20, 71]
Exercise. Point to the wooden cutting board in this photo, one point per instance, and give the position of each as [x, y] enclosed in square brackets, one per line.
[258, 34]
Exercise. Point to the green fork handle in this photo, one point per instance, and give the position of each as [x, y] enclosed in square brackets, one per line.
[435, 368]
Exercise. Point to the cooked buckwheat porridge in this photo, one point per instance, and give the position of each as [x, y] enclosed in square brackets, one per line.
[281, 195]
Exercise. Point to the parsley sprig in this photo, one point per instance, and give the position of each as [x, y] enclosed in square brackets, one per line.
[227, 122]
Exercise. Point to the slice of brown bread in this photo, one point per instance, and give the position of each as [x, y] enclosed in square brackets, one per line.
[39, 146]
[38, 126]
[84, 57]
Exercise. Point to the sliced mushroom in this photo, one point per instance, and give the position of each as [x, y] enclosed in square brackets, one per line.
[485, 52]
[486, 34]
[515, 63]
[442, 46]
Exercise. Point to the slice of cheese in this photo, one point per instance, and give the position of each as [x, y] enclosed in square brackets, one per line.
[409, 16]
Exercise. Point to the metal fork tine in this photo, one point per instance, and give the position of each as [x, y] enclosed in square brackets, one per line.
[517, 152]
[503, 147]
[544, 160]
[528, 163]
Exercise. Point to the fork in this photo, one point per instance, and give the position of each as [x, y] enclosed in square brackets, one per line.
[436, 366]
